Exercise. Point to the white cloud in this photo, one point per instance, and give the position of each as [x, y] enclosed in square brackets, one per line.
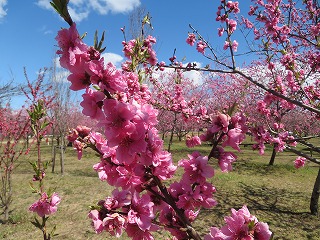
[44, 4]
[77, 15]
[3, 11]
[112, 57]
[80, 9]
[116, 6]
[193, 75]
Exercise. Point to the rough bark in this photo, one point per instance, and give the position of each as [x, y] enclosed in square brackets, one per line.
[314, 202]
[273, 156]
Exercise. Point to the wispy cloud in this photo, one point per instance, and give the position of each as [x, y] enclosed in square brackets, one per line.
[44, 29]
[80, 9]
[3, 11]
[115, 6]
[116, 59]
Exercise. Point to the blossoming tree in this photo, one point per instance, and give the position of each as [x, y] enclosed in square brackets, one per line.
[13, 127]
[132, 158]
[286, 37]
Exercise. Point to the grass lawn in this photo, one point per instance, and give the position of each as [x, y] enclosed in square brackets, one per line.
[278, 195]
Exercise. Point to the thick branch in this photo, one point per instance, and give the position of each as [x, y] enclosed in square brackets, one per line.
[311, 159]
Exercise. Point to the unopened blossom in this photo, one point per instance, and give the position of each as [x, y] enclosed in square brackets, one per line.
[73, 135]
[83, 131]
[232, 25]
[79, 146]
[220, 31]
[234, 45]
[226, 45]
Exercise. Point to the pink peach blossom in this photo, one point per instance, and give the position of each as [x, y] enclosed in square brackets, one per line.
[299, 162]
[201, 46]
[46, 205]
[191, 39]
[192, 141]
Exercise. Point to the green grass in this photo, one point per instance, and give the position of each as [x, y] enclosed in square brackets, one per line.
[278, 195]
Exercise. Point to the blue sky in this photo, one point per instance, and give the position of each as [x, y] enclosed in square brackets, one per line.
[28, 29]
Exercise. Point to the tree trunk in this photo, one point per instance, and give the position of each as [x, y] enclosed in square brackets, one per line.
[62, 154]
[170, 140]
[314, 202]
[273, 156]
[27, 141]
[172, 132]
[62, 159]
[53, 158]
[6, 213]
[7, 195]
[53, 153]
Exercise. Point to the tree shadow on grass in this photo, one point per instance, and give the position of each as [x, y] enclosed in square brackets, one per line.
[274, 200]
[83, 173]
[262, 169]
[284, 210]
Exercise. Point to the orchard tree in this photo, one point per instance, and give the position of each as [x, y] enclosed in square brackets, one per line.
[13, 126]
[286, 36]
[39, 103]
[132, 155]
[179, 102]
[59, 113]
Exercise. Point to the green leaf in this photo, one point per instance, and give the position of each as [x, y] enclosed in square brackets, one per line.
[95, 207]
[44, 124]
[34, 166]
[61, 6]
[84, 35]
[96, 45]
[251, 225]
[32, 188]
[53, 230]
[36, 223]
[102, 50]
[101, 41]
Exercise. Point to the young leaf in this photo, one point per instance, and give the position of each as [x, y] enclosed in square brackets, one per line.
[36, 223]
